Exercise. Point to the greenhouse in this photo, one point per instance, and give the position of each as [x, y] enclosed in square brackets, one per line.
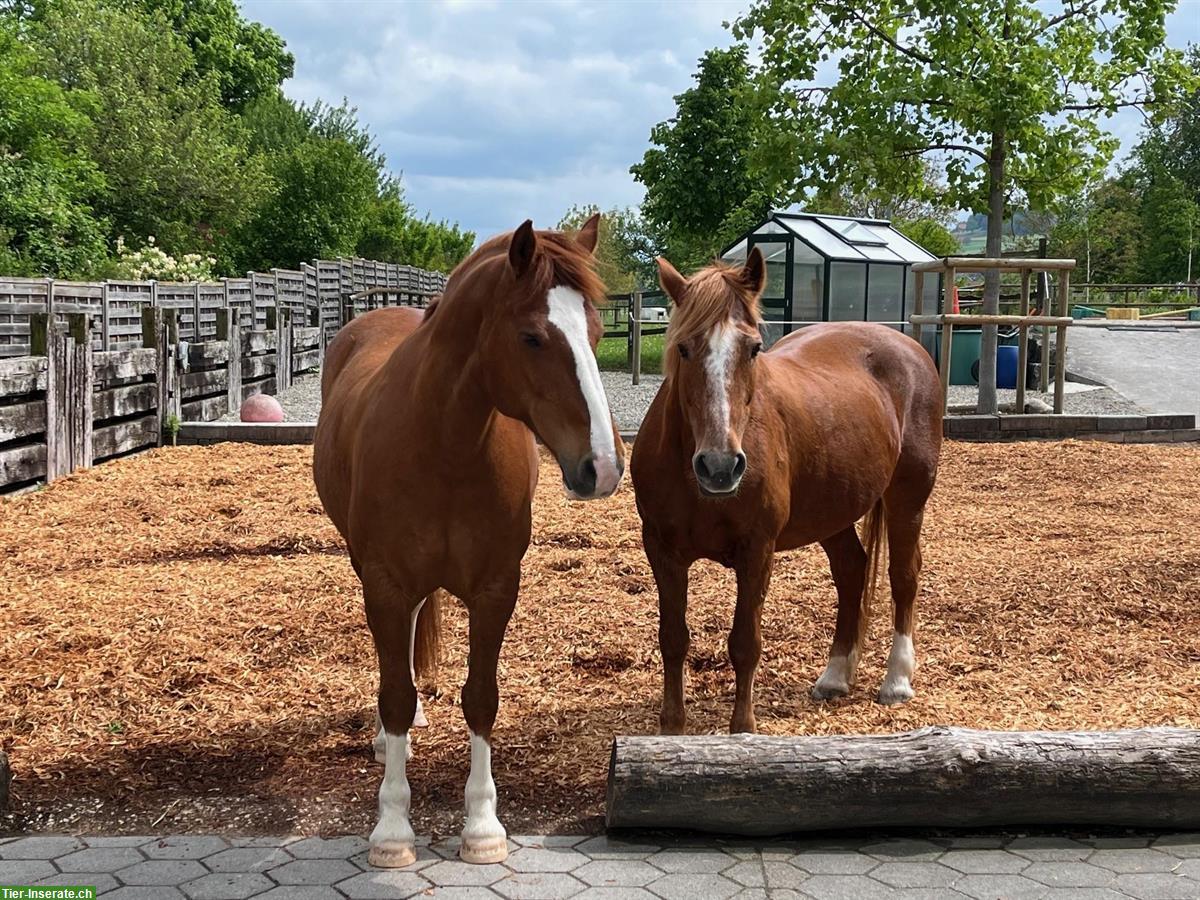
[833, 269]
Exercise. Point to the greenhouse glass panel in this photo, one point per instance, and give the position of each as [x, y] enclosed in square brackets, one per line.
[737, 253]
[847, 291]
[829, 244]
[808, 283]
[884, 301]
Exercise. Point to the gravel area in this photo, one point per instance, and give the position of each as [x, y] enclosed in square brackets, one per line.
[302, 402]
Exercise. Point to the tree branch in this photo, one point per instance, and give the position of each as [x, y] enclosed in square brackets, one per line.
[917, 151]
[1069, 13]
[879, 32]
[1081, 107]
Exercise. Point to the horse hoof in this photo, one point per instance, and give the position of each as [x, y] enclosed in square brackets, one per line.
[895, 694]
[419, 720]
[829, 691]
[484, 851]
[392, 854]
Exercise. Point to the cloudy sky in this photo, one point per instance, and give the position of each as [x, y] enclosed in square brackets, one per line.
[498, 110]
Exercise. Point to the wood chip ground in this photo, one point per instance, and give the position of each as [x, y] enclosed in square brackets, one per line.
[183, 642]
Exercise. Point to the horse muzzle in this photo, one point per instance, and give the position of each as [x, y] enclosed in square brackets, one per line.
[593, 477]
[719, 473]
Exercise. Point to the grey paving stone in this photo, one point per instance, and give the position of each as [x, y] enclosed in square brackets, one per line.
[834, 862]
[227, 886]
[101, 881]
[327, 848]
[425, 858]
[764, 894]
[146, 893]
[1009, 887]
[1190, 868]
[383, 884]
[545, 859]
[268, 840]
[1067, 873]
[615, 893]
[1157, 886]
[314, 871]
[301, 892]
[749, 873]
[604, 847]
[452, 873]
[1185, 845]
[447, 848]
[1083, 893]
[914, 874]
[1134, 859]
[781, 876]
[184, 846]
[704, 886]
[617, 872]
[462, 893]
[695, 862]
[984, 862]
[907, 849]
[548, 840]
[247, 859]
[538, 886]
[974, 841]
[26, 871]
[104, 859]
[41, 846]
[1120, 841]
[1045, 848]
[162, 872]
[926, 894]
[123, 840]
[844, 887]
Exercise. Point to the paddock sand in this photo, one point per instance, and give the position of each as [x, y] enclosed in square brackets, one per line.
[184, 646]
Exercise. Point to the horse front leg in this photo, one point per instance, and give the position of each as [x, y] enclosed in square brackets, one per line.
[389, 613]
[671, 577]
[745, 638]
[484, 839]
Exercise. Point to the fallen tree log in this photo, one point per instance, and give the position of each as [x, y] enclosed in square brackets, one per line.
[932, 777]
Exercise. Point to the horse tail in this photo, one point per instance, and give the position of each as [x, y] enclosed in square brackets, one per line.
[427, 638]
[874, 540]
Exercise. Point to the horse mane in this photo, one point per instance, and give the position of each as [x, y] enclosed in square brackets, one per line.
[714, 295]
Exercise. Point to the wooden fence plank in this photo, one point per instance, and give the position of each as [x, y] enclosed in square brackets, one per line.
[202, 382]
[255, 367]
[111, 365]
[306, 359]
[205, 409]
[20, 420]
[24, 463]
[208, 354]
[257, 341]
[125, 436]
[22, 375]
[124, 400]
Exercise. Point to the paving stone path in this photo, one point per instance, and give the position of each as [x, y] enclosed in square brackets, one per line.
[982, 867]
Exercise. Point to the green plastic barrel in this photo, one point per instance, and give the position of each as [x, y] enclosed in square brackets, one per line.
[964, 353]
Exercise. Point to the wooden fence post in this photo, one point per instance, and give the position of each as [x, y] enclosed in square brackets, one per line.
[635, 330]
[918, 304]
[79, 393]
[105, 318]
[1060, 348]
[68, 352]
[196, 334]
[160, 330]
[283, 351]
[229, 330]
[1023, 343]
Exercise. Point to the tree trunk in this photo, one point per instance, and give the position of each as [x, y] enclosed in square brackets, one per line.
[931, 778]
[991, 283]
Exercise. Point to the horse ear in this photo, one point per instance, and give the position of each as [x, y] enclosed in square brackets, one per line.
[754, 273]
[672, 282]
[589, 234]
[522, 247]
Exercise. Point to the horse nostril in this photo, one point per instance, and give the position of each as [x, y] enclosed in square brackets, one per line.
[701, 467]
[739, 465]
[587, 476]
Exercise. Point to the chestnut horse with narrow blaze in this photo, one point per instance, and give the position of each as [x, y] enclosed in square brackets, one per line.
[425, 460]
[744, 454]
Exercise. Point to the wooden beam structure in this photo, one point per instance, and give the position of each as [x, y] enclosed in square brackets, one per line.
[935, 777]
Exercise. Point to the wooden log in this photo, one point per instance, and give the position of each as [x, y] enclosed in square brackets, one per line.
[124, 400]
[114, 365]
[26, 462]
[978, 264]
[22, 375]
[205, 409]
[203, 382]
[306, 359]
[965, 319]
[123, 437]
[257, 366]
[257, 341]
[20, 420]
[930, 778]
[208, 354]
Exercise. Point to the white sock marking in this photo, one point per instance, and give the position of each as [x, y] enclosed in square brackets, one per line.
[897, 684]
[419, 720]
[838, 676]
[482, 824]
[394, 794]
[568, 316]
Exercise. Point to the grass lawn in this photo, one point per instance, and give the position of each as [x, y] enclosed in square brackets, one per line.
[612, 354]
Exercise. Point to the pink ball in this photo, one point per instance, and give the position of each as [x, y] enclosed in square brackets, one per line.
[261, 408]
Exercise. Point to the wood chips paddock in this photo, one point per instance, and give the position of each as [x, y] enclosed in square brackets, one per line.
[184, 645]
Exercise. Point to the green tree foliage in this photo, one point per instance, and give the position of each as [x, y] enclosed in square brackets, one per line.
[701, 186]
[930, 234]
[625, 253]
[246, 59]
[174, 160]
[1007, 93]
[47, 224]
[393, 233]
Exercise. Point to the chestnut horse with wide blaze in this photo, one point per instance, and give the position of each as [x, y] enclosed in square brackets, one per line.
[425, 460]
[744, 454]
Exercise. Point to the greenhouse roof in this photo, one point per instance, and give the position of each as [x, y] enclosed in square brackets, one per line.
[843, 237]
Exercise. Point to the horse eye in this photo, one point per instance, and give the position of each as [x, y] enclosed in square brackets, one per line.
[755, 350]
[682, 351]
[530, 340]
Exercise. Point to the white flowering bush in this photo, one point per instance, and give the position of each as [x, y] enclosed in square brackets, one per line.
[152, 262]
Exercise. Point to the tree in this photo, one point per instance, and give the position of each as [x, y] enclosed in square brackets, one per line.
[701, 189]
[624, 254]
[47, 224]
[930, 234]
[391, 233]
[1009, 96]
[174, 160]
[1101, 226]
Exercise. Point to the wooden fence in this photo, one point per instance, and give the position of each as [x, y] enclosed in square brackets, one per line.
[89, 372]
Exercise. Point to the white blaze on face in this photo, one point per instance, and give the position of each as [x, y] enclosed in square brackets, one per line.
[721, 343]
[567, 314]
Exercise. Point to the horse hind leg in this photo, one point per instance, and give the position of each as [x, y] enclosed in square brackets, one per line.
[904, 568]
[848, 565]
